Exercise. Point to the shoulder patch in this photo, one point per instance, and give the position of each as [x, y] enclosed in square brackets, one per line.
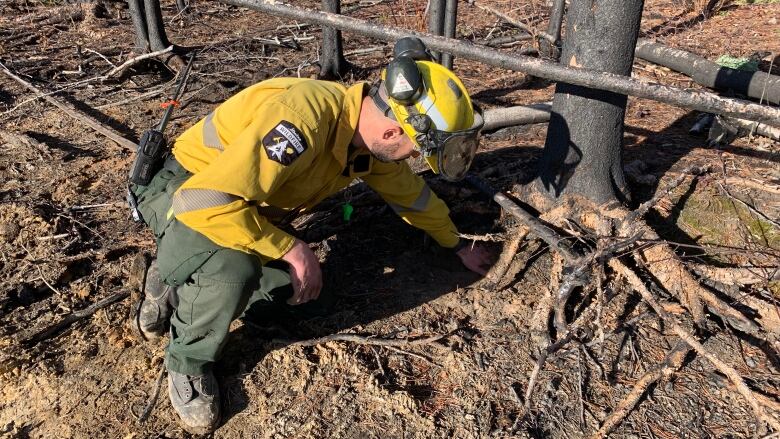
[284, 143]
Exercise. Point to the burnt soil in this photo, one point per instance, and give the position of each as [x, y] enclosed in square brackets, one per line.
[67, 241]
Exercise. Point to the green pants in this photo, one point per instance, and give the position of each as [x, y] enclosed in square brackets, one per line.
[215, 284]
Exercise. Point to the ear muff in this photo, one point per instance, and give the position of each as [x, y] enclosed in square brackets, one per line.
[412, 47]
[403, 81]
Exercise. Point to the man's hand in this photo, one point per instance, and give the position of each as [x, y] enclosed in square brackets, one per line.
[475, 257]
[305, 273]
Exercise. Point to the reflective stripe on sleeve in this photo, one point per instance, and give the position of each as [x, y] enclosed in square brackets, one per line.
[419, 204]
[187, 200]
[210, 137]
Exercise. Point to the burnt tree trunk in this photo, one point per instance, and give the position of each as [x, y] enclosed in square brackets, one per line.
[436, 22]
[333, 65]
[149, 28]
[551, 49]
[583, 150]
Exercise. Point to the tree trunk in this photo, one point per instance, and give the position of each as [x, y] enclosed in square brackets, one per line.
[333, 65]
[450, 23]
[436, 22]
[149, 26]
[583, 151]
[139, 23]
[547, 48]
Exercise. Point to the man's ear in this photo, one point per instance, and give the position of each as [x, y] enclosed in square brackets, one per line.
[392, 133]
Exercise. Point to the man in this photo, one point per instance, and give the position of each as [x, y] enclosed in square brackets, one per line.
[272, 151]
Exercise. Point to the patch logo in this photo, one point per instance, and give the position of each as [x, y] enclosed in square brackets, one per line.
[284, 143]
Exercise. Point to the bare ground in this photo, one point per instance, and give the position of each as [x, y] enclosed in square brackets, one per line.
[67, 241]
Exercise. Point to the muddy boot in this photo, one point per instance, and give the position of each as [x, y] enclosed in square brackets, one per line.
[196, 400]
[156, 305]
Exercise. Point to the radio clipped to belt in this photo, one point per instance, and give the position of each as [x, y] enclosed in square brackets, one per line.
[152, 147]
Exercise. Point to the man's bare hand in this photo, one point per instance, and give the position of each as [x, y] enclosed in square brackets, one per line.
[476, 258]
[305, 273]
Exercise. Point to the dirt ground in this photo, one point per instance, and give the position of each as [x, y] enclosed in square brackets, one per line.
[67, 241]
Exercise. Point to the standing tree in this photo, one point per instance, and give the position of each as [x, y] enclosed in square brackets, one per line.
[583, 151]
[333, 65]
[149, 27]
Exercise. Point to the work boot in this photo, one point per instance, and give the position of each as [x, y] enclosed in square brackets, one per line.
[196, 400]
[156, 305]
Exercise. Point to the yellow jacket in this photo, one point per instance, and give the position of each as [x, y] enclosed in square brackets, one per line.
[280, 146]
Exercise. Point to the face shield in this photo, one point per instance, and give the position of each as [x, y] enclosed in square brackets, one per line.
[448, 153]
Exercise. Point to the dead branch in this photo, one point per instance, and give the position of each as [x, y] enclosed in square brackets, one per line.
[69, 319]
[517, 23]
[155, 395]
[496, 118]
[702, 101]
[673, 361]
[550, 350]
[71, 111]
[749, 128]
[758, 85]
[133, 61]
[687, 337]
[364, 340]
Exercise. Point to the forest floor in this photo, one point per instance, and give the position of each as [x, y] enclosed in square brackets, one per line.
[67, 241]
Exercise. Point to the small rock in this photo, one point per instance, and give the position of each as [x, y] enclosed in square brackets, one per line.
[750, 362]
[773, 20]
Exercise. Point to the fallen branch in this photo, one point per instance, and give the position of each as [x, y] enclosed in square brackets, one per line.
[71, 111]
[517, 23]
[360, 339]
[689, 339]
[155, 395]
[758, 85]
[520, 115]
[131, 62]
[74, 317]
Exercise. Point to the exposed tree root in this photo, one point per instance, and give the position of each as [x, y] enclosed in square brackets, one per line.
[673, 361]
[687, 337]
[603, 235]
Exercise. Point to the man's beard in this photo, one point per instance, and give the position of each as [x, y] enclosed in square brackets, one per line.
[387, 154]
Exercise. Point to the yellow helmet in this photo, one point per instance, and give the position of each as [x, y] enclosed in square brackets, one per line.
[432, 106]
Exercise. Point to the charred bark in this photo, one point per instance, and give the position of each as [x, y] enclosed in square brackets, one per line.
[436, 22]
[583, 151]
[148, 24]
[552, 49]
[450, 23]
[758, 85]
[333, 65]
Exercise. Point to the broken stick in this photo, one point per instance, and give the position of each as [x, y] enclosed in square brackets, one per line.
[361, 339]
[74, 317]
[71, 111]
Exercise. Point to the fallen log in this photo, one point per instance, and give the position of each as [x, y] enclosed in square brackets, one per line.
[697, 100]
[758, 85]
[520, 115]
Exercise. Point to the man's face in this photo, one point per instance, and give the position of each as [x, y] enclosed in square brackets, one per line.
[392, 148]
